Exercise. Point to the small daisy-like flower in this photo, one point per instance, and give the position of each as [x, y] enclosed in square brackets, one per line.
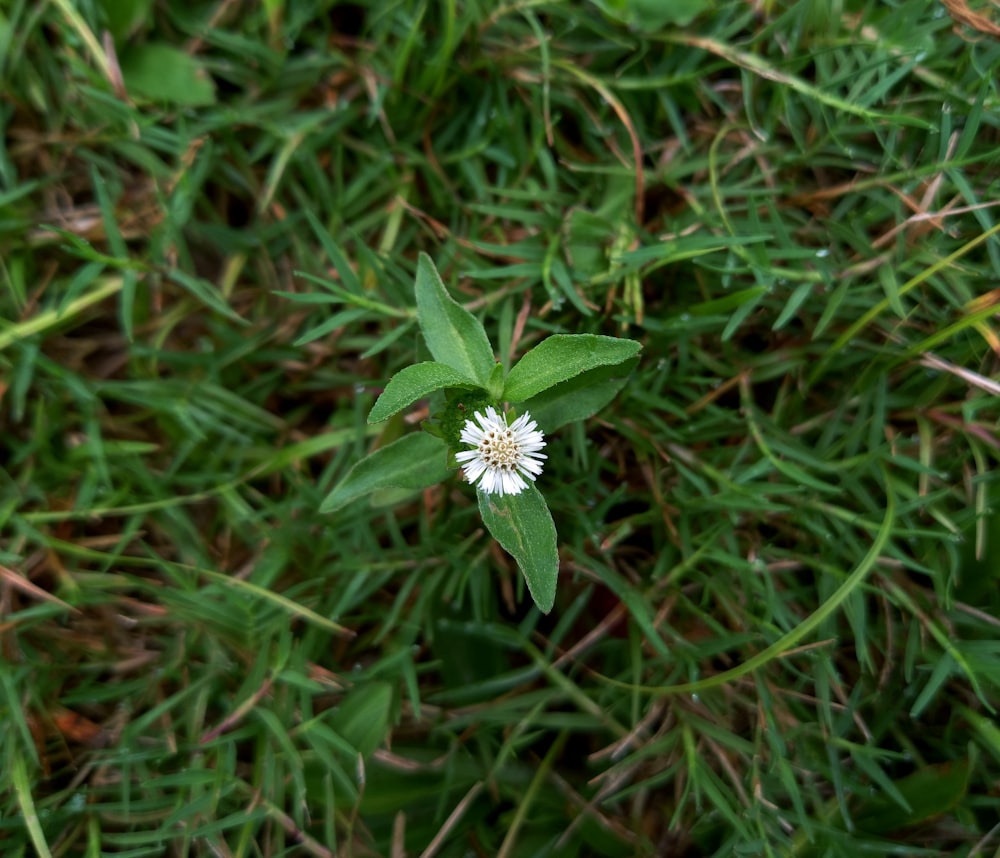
[503, 454]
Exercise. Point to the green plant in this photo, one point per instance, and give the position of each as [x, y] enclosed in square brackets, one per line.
[565, 378]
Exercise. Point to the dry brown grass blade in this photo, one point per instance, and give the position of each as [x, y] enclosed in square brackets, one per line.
[21, 583]
[960, 11]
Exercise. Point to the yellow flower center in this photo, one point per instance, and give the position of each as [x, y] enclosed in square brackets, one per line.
[499, 450]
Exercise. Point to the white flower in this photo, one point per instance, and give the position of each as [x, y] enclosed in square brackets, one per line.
[502, 454]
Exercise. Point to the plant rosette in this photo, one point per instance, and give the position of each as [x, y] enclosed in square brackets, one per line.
[493, 423]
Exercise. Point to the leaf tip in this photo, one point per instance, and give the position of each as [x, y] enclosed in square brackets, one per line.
[546, 607]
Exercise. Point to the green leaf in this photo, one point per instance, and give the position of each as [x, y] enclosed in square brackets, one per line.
[495, 386]
[413, 383]
[158, 72]
[207, 293]
[560, 358]
[363, 718]
[523, 526]
[454, 336]
[124, 17]
[652, 15]
[928, 792]
[580, 397]
[413, 462]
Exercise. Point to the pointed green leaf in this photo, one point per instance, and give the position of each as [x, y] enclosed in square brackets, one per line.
[159, 72]
[413, 462]
[207, 293]
[650, 16]
[363, 717]
[454, 336]
[125, 17]
[561, 357]
[928, 792]
[495, 386]
[413, 383]
[523, 526]
[580, 397]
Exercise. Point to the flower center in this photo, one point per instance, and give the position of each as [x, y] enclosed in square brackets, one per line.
[499, 449]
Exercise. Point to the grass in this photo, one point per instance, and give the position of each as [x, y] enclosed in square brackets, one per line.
[776, 629]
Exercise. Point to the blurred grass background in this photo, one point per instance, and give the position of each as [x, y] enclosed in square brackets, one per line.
[776, 631]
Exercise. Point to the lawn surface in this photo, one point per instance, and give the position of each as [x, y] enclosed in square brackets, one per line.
[776, 626]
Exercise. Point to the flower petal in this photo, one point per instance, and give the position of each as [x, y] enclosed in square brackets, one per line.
[503, 454]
